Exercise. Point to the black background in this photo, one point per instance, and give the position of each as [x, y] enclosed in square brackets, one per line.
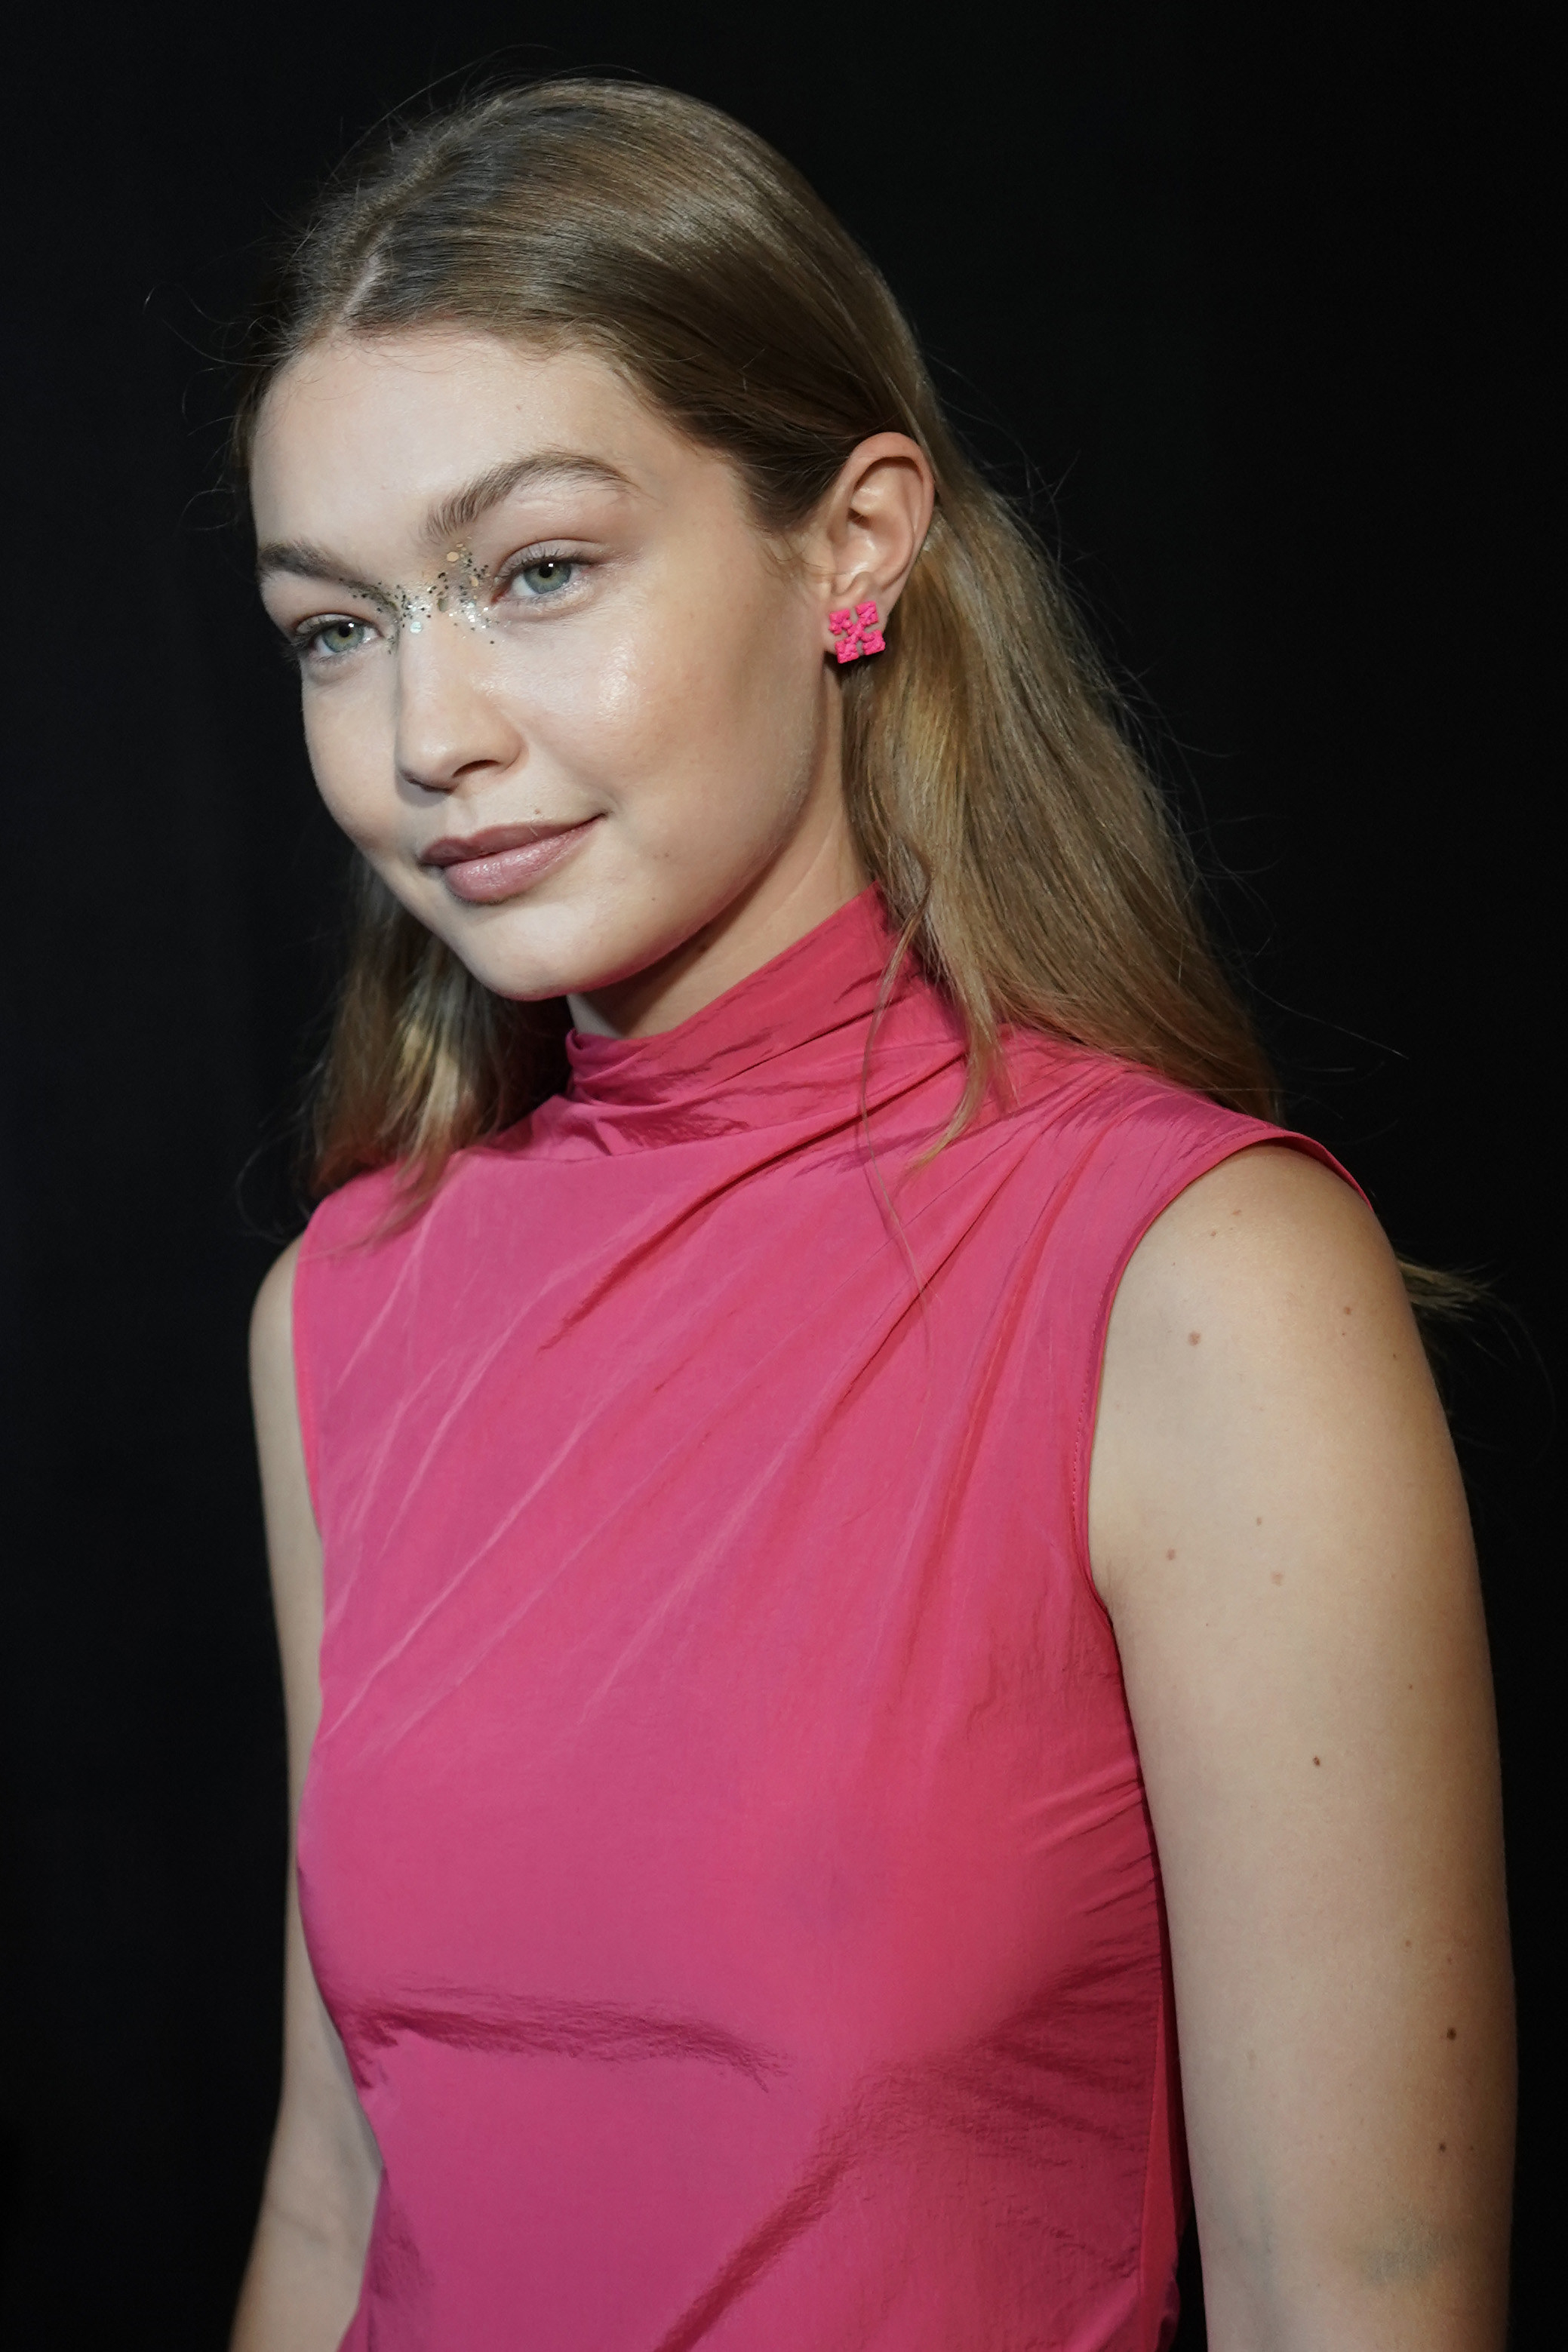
[1245, 310]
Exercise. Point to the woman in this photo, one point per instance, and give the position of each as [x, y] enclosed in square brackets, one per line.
[863, 1549]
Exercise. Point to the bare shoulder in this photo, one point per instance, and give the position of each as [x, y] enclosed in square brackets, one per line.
[272, 1322]
[273, 1394]
[1270, 1240]
[293, 1545]
[1261, 1332]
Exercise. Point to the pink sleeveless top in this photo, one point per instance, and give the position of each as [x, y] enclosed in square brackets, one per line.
[723, 1852]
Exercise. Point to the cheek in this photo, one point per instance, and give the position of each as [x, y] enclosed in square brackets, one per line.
[692, 692]
[348, 736]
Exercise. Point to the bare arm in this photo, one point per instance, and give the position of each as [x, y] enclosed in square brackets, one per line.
[1278, 1530]
[303, 2281]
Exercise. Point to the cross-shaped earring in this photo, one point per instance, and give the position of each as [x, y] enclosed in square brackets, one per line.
[857, 633]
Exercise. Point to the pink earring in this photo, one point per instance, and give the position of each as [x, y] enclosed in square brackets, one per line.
[857, 633]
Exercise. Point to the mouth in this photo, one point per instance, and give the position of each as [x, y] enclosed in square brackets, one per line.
[502, 861]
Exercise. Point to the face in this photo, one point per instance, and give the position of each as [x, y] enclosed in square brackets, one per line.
[571, 703]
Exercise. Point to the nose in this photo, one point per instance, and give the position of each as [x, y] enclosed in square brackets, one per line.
[453, 723]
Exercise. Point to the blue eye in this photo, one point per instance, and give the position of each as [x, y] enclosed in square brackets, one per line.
[545, 578]
[329, 640]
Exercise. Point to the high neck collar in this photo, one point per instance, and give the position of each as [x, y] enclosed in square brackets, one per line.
[788, 1042]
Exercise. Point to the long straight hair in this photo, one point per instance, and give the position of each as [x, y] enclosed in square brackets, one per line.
[1025, 856]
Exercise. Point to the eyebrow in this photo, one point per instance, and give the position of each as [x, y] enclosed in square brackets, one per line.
[547, 468]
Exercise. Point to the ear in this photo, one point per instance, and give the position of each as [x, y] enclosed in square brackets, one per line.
[872, 525]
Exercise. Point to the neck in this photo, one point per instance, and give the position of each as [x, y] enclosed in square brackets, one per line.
[819, 873]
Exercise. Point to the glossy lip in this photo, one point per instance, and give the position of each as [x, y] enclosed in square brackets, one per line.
[503, 860]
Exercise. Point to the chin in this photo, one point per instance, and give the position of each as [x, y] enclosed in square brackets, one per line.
[532, 972]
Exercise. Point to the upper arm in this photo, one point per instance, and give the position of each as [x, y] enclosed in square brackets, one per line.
[293, 1544]
[1279, 1529]
[324, 2160]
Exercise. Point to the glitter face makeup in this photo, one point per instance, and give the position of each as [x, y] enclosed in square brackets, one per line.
[455, 589]
[461, 589]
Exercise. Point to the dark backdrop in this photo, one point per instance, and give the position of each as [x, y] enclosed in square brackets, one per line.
[1245, 312]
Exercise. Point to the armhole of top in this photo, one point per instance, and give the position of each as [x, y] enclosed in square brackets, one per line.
[1211, 1154]
[304, 1391]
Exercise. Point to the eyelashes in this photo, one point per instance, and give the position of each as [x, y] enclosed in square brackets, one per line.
[312, 642]
[537, 576]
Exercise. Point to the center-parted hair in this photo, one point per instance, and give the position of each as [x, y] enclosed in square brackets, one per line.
[1023, 850]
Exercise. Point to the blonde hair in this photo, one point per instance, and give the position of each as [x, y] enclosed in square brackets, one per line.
[1023, 853]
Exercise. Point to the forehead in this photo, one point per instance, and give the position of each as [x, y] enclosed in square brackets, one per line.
[390, 425]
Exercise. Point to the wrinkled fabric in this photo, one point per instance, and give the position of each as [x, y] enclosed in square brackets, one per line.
[723, 1852]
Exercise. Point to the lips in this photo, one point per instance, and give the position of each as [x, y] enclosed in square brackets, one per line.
[503, 860]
